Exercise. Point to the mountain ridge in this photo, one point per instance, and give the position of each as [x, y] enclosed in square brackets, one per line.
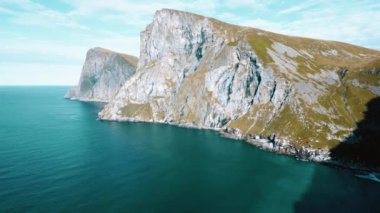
[264, 31]
[286, 94]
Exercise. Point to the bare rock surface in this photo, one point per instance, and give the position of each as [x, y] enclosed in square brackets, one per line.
[103, 73]
[287, 94]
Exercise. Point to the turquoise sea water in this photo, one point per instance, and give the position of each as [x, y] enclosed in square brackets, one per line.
[55, 156]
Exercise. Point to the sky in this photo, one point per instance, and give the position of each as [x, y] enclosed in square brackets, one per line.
[44, 42]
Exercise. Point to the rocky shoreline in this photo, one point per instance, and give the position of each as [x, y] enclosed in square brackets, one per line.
[271, 144]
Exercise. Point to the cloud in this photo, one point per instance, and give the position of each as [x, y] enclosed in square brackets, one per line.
[374, 6]
[4, 10]
[38, 74]
[46, 18]
[330, 23]
[38, 50]
[265, 25]
[62, 35]
[116, 42]
[35, 50]
[26, 12]
[136, 12]
[298, 7]
[23, 4]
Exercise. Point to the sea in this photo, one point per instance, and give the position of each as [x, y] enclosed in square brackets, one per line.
[56, 156]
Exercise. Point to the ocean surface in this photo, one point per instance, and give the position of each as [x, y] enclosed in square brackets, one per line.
[55, 156]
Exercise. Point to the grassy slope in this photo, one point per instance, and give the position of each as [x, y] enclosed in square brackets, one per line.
[298, 122]
[129, 58]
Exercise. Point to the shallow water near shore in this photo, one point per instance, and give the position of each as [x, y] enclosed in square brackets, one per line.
[56, 156]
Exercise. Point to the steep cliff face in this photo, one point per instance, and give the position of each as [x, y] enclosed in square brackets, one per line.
[103, 73]
[288, 94]
[189, 74]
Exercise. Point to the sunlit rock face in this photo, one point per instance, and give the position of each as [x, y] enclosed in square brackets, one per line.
[299, 94]
[188, 73]
[103, 74]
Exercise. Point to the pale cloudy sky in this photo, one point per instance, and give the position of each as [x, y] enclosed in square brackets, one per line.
[44, 42]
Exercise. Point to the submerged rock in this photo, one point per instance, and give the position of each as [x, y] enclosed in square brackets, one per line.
[103, 73]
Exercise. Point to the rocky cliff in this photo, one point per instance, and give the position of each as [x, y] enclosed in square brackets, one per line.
[288, 94]
[103, 73]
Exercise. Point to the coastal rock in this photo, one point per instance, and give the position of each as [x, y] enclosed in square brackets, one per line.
[304, 95]
[188, 73]
[103, 73]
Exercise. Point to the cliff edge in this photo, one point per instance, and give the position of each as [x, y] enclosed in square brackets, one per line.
[286, 94]
[103, 74]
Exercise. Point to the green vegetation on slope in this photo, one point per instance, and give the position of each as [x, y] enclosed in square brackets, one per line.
[143, 111]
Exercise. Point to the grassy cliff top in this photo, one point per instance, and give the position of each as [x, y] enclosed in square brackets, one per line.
[325, 53]
[133, 60]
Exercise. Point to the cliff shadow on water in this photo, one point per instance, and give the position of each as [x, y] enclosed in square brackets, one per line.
[339, 190]
[363, 146]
